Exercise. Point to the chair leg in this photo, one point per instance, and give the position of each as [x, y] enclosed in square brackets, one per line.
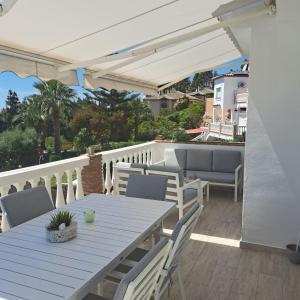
[180, 282]
[180, 211]
[100, 287]
[235, 192]
[207, 192]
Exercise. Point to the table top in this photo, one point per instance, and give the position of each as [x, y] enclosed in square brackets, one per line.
[190, 179]
[33, 268]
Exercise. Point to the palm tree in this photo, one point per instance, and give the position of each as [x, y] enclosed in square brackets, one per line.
[54, 101]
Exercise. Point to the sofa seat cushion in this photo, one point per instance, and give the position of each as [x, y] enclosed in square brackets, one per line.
[199, 160]
[189, 194]
[219, 177]
[225, 160]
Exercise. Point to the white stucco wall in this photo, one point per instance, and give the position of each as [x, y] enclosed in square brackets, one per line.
[230, 86]
[271, 213]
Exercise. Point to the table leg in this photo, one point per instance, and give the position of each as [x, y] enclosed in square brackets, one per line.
[207, 192]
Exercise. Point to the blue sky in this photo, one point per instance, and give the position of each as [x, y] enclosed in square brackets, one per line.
[24, 86]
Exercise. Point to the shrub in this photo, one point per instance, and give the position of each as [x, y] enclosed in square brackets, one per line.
[65, 144]
[84, 139]
[18, 148]
[54, 157]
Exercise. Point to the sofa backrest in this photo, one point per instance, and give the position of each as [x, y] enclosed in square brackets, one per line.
[199, 160]
[168, 169]
[203, 159]
[226, 160]
[175, 158]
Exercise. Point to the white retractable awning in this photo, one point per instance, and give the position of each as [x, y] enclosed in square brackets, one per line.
[136, 45]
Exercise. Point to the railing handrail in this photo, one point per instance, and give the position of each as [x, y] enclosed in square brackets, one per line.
[12, 176]
[125, 149]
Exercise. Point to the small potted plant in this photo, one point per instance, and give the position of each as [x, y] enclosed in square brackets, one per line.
[61, 227]
[293, 252]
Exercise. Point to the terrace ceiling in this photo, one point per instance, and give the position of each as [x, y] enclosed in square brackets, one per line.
[41, 38]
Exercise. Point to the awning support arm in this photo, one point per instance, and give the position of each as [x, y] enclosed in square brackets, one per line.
[202, 70]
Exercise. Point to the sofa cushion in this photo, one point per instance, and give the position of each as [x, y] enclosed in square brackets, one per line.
[189, 194]
[199, 160]
[175, 158]
[226, 160]
[219, 177]
[169, 169]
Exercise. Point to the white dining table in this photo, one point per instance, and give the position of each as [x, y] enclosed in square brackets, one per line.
[33, 268]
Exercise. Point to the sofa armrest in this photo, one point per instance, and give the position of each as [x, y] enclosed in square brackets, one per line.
[159, 163]
[238, 174]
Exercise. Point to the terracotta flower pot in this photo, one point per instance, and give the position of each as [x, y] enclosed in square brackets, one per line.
[293, 256]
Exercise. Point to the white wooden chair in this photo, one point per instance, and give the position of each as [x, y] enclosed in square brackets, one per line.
[121, 174]
[180, 236]
[139, 283]
[184, 194]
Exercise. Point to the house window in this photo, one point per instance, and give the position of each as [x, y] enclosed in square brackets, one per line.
[164, 104]
[218, 93]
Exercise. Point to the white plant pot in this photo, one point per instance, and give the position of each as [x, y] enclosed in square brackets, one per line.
[60, 236]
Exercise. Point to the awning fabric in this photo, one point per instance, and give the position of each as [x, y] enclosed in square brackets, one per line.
[73, 31]
[25, 67]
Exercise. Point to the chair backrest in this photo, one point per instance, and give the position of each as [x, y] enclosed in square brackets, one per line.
[147, 187]
[122, 171]
[140, 282]
[175, 180]
[182, 233]
[23, 206]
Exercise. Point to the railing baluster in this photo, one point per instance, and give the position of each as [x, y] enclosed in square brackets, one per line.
[34, 182]
[19, 186]
[70, 191]
[140, 157]
[60, 201]
[113, 175]
[79, 189]
[4, 224]
[144, 157]
[108, 183]
[47, 180]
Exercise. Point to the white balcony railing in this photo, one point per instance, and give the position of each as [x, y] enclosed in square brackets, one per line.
[214, 127]
[143, 153]
[19, 177]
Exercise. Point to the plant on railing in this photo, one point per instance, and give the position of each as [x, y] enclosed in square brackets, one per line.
[60, 220]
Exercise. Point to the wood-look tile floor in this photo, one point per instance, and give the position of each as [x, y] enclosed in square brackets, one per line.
[214, 271]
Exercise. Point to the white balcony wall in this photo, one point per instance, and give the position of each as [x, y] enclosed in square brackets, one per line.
[19, 177]
[272, 190]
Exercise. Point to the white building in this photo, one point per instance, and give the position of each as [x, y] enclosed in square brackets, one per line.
[231, 98]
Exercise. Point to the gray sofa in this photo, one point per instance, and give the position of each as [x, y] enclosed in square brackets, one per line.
[218, 167]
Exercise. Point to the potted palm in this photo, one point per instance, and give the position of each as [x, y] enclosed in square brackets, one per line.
[293, 252]
[61, 227]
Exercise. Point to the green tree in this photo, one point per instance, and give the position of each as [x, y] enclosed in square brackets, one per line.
[115, 105]
[192, 116]
[84, 139]
[18, 148]
[138, 112]
[201, 80]
[182, 86]
[12, 108]
[56, 102]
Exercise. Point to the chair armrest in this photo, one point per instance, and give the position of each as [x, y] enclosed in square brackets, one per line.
[237, 173]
